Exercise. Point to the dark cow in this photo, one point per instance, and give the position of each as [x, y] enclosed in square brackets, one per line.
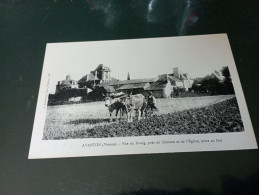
[136, 103]
[116, 104]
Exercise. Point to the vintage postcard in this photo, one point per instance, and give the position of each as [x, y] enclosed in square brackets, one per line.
[155, 95]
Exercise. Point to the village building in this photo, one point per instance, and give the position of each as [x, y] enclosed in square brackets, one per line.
[181, 79]
[100, 82]
[159, 90]
[214, 75]
[66, 84]
[161, 86]
[133, 86]
[102, 74]
[164, 85]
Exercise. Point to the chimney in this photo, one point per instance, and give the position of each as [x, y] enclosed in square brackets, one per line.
[68, 77]
[176, 72]
[187, 75]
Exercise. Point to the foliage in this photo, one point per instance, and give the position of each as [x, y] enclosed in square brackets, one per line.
[96, 95]
[63, 96]
[215, 86]
[177, 91]
[227, 84]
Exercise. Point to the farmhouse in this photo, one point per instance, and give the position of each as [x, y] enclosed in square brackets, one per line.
[181, 79]
[68, 83]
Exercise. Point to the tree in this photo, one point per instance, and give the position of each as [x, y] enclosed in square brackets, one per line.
[212, 85]
[227, 83]
[225, 72]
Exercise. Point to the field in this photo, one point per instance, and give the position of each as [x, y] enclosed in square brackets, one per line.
[210, 114]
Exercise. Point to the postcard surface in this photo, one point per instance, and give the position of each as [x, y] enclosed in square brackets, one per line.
[156, 95]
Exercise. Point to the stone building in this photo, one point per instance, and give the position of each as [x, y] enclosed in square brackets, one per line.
[133, 86]
[102, 83]
[162, 86]
[66, 84]
[102, 74]
[181, 79]
[159, 90]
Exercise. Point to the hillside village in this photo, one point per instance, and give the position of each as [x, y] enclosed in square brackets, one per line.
[99, 83]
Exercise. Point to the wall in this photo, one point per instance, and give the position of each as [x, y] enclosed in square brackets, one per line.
[168, 89]
[133, 91]
[156, 93]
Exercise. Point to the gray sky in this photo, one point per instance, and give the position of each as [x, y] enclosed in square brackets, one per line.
[142, 58]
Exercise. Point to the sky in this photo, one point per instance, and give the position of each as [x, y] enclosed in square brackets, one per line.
[142, 58]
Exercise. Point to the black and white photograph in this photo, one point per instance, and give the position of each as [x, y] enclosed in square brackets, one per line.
[142, 88]
[100, 105]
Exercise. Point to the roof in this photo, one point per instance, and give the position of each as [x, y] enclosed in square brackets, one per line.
[91, 76]
[108, 88]
[165, 77]
[217, 75]
[102, 67]
[67, 82]
[185, 75]
[88, 77]
[182, 76]
[124, 82]
[161, 78]
[209, 76]
[156, 86]
[173, 78]
[134, 86]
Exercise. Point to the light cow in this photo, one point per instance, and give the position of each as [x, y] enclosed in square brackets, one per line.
[135, 103]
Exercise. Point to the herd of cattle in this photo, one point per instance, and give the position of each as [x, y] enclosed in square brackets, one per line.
[127, 104]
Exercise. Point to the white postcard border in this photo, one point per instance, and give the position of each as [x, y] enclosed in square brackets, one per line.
[154, 144]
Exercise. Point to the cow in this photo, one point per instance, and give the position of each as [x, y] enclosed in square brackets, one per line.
[116, 104]
[135, 103]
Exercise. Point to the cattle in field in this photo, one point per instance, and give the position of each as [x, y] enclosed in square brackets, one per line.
[135, 103]
[115, 104]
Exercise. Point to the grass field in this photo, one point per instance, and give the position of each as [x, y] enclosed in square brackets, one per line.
[66, 121]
